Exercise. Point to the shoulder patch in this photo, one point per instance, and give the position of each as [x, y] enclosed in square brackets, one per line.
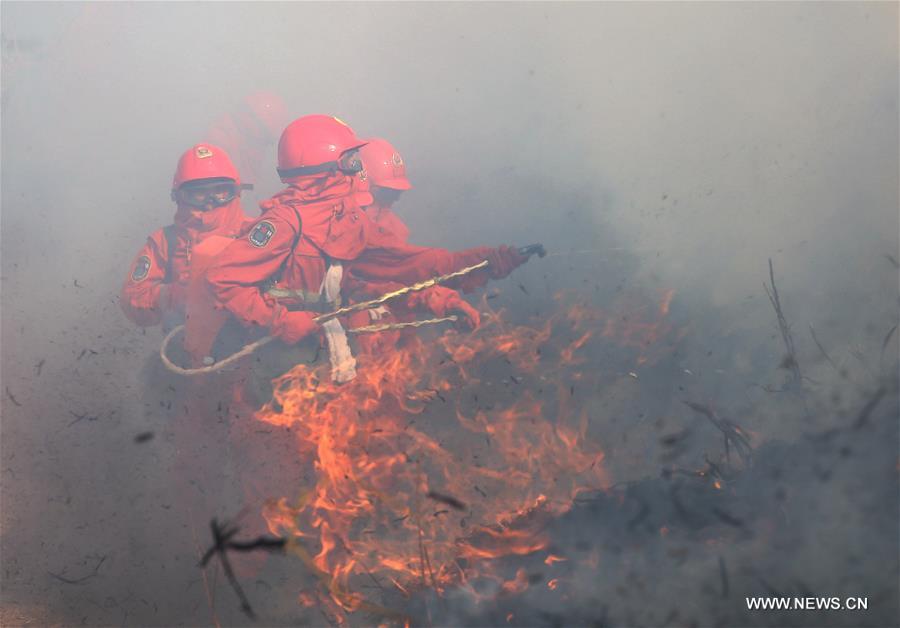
[261, 233]
[141, 268]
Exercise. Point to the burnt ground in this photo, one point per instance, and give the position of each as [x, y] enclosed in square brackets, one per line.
[801, 520]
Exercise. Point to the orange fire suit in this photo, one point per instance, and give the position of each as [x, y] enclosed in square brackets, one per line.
[386, 224]
[157, 283]
[315, 220]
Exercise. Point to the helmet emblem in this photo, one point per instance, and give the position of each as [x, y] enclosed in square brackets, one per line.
[396, 159]
[203, 152]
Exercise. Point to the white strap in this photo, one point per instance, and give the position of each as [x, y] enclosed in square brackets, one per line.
[343, 364]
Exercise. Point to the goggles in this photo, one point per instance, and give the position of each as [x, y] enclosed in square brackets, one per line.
[207, 194]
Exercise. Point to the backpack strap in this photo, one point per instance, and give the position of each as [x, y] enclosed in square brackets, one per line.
[276, 276]
[171, 244]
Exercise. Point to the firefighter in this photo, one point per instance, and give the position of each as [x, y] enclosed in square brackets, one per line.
[206, 189]
[386, 174]
[290, 265]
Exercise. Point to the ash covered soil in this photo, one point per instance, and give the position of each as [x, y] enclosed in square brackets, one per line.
[810, 518]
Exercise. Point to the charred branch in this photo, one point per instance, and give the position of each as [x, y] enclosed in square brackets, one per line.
[81, 417]
[222, 542]
[790, 358]
[81, 579]
[812, 332]
[446, 499]
[732, 434]
[12, 398]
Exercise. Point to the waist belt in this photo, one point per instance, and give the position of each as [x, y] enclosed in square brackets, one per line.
[303, 300]
[326, 300]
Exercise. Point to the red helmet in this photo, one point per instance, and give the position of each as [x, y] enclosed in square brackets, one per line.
[314, 144]
[204, 161]
[269, 109]
[384, 165]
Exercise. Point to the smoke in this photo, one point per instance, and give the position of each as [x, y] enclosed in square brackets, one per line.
[648, 146]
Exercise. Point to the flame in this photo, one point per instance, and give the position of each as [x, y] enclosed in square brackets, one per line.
[639, 326]
[568, 354]
[413, 481]
[517, 585]
[553, 559]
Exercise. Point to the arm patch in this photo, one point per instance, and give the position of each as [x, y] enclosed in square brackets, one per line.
[141, 268]
[261, 233]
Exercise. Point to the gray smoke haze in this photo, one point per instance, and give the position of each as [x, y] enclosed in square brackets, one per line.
[653, 146]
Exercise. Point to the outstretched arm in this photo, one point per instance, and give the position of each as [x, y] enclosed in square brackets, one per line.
[408, 263]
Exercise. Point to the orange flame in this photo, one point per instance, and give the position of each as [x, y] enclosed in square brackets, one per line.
[553, 559]
[415, 480]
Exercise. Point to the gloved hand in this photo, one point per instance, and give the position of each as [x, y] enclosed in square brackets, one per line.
[441, 301]
[291, 327]
[469, 315]
[503, 260]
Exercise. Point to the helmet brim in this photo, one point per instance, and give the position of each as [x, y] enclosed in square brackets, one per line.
[394, 184]
[354, 147]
